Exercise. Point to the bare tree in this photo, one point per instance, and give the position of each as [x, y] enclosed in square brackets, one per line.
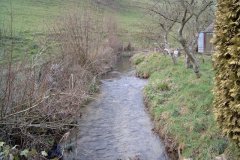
[166, 26]
[176, 15]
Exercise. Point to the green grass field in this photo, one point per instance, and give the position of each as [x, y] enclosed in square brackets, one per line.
[34, 15]
[30, 20]
[130, 16]
[33, 18]
[181, 106]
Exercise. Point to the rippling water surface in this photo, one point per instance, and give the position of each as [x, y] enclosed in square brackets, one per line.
[116, 126]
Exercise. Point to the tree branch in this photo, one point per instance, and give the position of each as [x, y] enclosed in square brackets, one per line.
[164, 16]
[25, 110]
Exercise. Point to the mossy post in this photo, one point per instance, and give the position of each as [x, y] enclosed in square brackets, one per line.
[227, 66]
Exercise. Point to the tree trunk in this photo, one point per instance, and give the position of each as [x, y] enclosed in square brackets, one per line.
[183, 41]
[190, 56]
[174, 59]
[187, 61]
[170, 51]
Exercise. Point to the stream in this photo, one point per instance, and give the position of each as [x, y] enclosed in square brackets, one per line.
[116, 125]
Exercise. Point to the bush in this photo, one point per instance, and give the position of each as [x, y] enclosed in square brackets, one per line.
[227, 67]
[41, 96]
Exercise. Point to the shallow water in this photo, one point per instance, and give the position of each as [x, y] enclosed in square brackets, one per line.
[116, 126]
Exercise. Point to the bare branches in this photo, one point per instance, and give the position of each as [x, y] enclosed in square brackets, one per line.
[164, 9]
[180, 14]
[41, 96]
[27, 109]
[164, 16]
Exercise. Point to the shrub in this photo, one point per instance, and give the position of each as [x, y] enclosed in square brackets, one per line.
[227, 67]
[41, 96]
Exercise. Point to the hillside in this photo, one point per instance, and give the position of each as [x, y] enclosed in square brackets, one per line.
[33, 16]
[33, 19]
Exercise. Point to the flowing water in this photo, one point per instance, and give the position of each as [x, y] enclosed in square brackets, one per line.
[116, 126]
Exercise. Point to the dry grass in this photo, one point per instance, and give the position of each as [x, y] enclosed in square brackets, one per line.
[41, 99]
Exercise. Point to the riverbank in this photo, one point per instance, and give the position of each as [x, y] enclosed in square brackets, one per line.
[115, 125]
[181, 107]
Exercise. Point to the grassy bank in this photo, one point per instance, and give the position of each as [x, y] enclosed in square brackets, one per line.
[181, 107]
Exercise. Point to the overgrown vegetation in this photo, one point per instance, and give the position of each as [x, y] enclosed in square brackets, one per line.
[41, 95]
[226, 64]
[50, 62]
[181, 106]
